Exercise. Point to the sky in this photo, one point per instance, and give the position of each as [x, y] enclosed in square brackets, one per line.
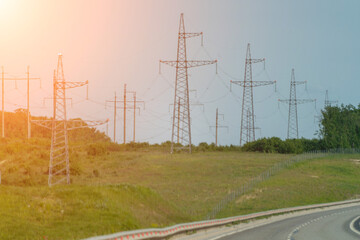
[115, 42]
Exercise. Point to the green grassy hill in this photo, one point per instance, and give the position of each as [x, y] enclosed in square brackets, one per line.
[114, 190]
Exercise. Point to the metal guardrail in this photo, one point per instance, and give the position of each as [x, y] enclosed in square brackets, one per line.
[161, 233]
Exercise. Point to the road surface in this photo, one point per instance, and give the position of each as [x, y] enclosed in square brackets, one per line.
[331, 224]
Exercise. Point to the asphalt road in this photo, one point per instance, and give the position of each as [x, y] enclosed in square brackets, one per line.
[327, 225]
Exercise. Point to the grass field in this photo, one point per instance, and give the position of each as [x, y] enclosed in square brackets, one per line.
[117, 191]
[328, 179]
[193, 183]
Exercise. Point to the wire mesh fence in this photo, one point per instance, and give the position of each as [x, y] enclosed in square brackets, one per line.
[271, 171]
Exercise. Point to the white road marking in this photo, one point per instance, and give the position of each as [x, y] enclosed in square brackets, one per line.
[352, 226]
[298, 228]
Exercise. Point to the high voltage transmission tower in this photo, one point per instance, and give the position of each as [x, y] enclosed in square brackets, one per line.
[247, 128]
[327, 101]
[181, 112]
[17, 78]
[126, 107]
[293, 127]
[59, 166]
[178, 115]
[217, 126]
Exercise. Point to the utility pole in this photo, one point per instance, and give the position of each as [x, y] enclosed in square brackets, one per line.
[181, 123]
[134, 108]
[247, 134]
[59, 166]
[115, 118]
[126, 107]
[134, 115]
[124, 113]
[327, 101]
[217, 126]
[115, 101]
[26, 78]
[28, 104]
[2, 103]
[293, 127]
[107, 129]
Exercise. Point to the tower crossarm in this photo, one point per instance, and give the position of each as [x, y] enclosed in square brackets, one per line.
[75, 124]
[253, 83]
[297, 101]
[189, 64]
[72, 124]
[255, 60]
[43, 123]
[198, 63]
[67, 85]
[190, 35]
[299, 82]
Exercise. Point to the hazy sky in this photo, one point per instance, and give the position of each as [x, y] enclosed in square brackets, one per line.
[111, 43]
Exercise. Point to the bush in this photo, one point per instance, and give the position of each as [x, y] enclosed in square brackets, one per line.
[276, 145]
[96, 173]
[96, 149]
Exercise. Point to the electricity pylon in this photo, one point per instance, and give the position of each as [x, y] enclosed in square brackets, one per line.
[247, 128]
[327, 101]
[217, 126]
[59, 166]
[293, 127]
[181, 112]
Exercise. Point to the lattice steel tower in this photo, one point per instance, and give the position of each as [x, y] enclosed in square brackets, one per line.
[327, 101]
[293, 127]
[181, 121]
[247, 128]
[59, 168]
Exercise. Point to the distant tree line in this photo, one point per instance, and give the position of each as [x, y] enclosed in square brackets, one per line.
[339, 128]
[16, 127]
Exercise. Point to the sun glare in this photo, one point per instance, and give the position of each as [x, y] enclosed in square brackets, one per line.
[6, 7]
[3, 4]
